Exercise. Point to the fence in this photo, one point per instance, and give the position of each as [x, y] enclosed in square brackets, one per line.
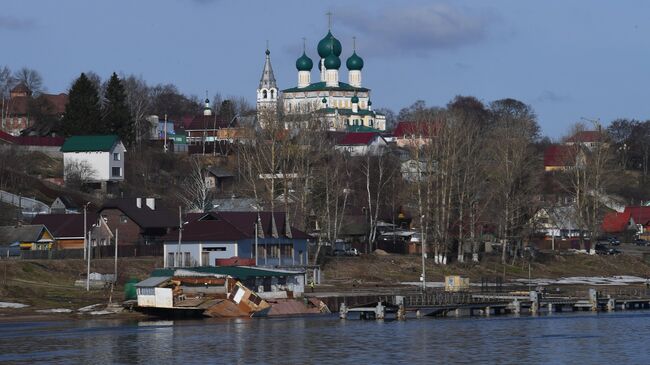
[28, 206]
[97, 252]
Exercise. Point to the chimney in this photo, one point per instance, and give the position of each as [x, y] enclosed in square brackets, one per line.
[138, 202]
[151, 203]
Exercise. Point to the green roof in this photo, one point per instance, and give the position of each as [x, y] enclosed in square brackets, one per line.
[102, 143]
[347, 111]
[321, 86]
[239, 272]
[361, 128]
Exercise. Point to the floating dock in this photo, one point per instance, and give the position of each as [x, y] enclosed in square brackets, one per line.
[443, 304]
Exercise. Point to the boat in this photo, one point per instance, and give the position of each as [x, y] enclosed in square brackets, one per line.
[196, 295]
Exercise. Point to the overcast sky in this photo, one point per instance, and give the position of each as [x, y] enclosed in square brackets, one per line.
[566, 58]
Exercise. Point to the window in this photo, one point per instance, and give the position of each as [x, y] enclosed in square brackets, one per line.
[116, 156]
[264, 94]
[116, 171]
[170, 259]
[214, 248]
[187, 260]
[124, 219]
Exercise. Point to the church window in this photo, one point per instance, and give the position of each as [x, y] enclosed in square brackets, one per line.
[272, 93]
[264, 94]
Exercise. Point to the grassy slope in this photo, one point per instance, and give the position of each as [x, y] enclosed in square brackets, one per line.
[50, 283]
[392, 269]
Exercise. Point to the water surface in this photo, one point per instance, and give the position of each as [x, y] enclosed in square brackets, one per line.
[576, 338]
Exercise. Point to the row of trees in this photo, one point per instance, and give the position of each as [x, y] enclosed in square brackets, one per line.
[479, 176]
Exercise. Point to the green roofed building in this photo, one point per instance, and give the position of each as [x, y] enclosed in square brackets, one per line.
[93, 159]
[329, 101]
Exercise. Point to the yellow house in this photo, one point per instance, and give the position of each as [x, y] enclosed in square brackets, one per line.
[30, 237]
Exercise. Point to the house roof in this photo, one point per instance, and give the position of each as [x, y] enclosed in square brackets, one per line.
[559, 155]
[218, 171]
[66, 225]
[239, 272]
[25, 233]
[232, 226]
[19, 105]
[321, 86]
[206, 122]
[641, 215]
[358, 138]
[586, 137]
[144, 216]
[615, 222]
[96, 143]
[360, 128]
[423, 129]
[233, 204]
[68, 202]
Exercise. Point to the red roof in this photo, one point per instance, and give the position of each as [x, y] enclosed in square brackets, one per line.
[616, 222]
[18, 105]
[559, 155]
[419, 129]
[31, 140]
[358, 138]
[66, 225]
[232, 226]
[641, 215]
[586, 137]
[201, 122]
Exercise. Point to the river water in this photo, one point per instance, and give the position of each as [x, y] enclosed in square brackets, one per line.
[573, 338]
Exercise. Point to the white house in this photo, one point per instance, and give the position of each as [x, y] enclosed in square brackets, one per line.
[98, 158]
[362, 143]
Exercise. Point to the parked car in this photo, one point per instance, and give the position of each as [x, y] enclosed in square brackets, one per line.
[609, 240]
[602, 249]
[352, 252]
[346, 252]
[641, 242]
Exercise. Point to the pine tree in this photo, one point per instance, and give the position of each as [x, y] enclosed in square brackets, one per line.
[82, 113]
[117, 115]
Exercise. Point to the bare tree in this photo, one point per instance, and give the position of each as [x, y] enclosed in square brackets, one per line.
[196, 193]
[77, 172]
[138, 99]
[30, 78]
[589, 180]
[513, 168]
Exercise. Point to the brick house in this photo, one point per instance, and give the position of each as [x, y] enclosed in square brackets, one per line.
[139, 220]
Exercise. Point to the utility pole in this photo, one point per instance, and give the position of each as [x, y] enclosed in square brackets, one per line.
[180, 234]
[85, 230]
[424, 255]
[256, 243]
[88, 263]
[116, 240]
[165, 135]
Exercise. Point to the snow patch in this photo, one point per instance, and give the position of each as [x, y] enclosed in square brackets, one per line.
[12, 305]
[55, 310]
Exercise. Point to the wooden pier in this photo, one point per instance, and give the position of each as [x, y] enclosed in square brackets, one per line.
[444, 304]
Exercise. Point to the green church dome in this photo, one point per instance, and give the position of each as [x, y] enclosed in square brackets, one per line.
[329, 45]
[354, 62]
[332, 62]
[324, 101]
[304, 63]
[355, 99]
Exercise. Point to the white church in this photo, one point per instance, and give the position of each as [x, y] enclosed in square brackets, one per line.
[341, 106]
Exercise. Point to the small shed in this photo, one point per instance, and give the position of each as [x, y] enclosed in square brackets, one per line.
[151, 295]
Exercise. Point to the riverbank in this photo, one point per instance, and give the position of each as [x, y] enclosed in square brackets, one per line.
[49, 284]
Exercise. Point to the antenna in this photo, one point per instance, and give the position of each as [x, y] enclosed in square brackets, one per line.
[354, 44]
[267, 44]
[329, 20]
[304, 41]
